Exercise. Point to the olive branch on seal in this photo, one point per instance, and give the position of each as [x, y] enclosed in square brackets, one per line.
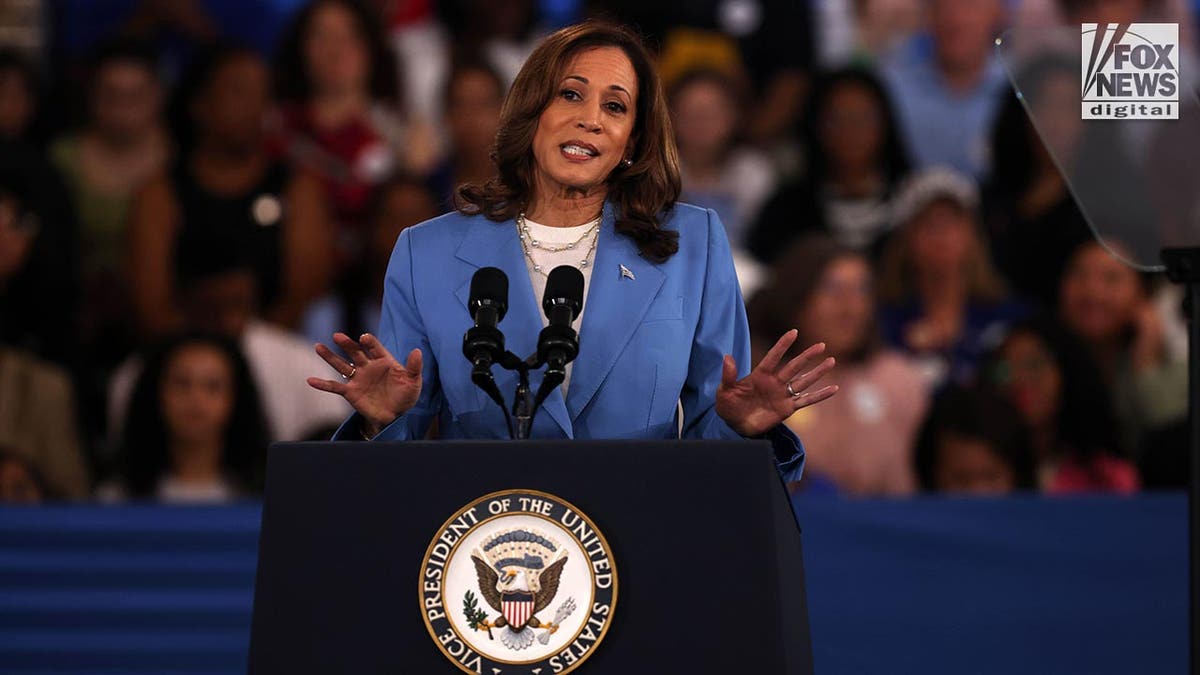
[476, 617]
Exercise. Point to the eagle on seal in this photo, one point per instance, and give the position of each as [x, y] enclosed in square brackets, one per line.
[519, 572]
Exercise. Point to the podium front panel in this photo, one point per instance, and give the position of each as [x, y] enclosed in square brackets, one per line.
[704, 541]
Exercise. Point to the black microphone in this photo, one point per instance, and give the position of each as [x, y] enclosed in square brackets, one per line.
[558, 344]
[483, 343]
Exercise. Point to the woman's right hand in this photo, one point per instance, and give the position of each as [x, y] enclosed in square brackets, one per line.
[378, 386]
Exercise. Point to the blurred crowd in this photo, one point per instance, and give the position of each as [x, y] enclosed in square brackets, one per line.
[193, 192]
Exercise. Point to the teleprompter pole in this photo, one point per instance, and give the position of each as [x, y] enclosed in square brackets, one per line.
[1183, 267]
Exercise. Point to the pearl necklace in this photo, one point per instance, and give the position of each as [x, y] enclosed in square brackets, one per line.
[528, 242]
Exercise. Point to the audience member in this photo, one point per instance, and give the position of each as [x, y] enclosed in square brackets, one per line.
[218, 295]
[37, 401]
[1033, 221]
[864, 31]
[503, 33]
[226, 186]
[718, 171]
[947, 92]
[854, 160]
[18, 97]
[340, 116]
[942, 300]
[973, 443]
[1051, 379]
[37, 421]
[20, 482]
[1107, 304]
[194, 431]
[472, 100]
[122, 145]
[771, 39]
[355, 306]
[39, 283]
[862, 438]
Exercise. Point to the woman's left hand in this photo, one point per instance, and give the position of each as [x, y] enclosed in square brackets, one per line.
[771, 392]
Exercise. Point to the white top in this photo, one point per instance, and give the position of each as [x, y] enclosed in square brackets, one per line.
[558, 236]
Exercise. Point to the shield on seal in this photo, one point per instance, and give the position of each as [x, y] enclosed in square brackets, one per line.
[517, 609]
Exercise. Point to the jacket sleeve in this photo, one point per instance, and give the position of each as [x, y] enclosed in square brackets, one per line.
[401, 329]
[722, 329]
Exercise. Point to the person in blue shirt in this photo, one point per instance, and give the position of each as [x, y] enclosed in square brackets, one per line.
[587, 175]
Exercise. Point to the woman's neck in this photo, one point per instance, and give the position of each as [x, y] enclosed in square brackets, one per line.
[132, 145]
[337, 107]
[855, 181]
[223, 169]
[196, 462]
[566, 207]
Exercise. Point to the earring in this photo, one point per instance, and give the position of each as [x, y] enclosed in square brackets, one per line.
[627, 162]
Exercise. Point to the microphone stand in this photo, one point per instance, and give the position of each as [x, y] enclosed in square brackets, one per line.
[525, 403]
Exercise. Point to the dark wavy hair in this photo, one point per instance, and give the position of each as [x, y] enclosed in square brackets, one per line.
[293, 83]
[1086, 423]
[144, 452]
[894, 156]
[643, 192]
[1014, 141]
[976, 413]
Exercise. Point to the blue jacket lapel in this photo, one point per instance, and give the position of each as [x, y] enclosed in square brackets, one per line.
[614, 309]
[492, 244]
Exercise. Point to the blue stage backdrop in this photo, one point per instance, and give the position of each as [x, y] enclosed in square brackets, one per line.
[925, 586]
[1019, 585]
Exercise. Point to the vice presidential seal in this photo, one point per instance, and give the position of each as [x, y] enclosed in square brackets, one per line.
[518, 581]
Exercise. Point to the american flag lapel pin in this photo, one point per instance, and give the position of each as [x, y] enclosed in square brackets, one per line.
[627, 274]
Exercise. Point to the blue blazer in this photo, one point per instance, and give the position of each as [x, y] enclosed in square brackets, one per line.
[645, 343]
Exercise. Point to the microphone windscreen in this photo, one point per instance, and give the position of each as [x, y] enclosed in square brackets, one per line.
[564, 283]
[490, 284]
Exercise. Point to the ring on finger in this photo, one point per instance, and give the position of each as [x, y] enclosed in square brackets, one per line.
[792, 392]
[353, 372]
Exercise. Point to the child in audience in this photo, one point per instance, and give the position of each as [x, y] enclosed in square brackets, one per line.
[973, 442]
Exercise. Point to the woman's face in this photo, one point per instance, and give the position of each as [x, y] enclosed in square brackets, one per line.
[233, 105]
[840, 308]
[335, 51]
[940, 237]
[1032, 380]
[971, 466]
[705, 120]
[588, 126]
[852, 127]
[1099, 296]
[126, 99]
[473, 112]
[197, 394]
[16, 103]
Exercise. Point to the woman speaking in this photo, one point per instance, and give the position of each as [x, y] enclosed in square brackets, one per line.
[587, 176]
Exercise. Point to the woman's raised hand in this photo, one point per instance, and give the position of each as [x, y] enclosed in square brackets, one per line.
[772, 392]
[378, 386]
